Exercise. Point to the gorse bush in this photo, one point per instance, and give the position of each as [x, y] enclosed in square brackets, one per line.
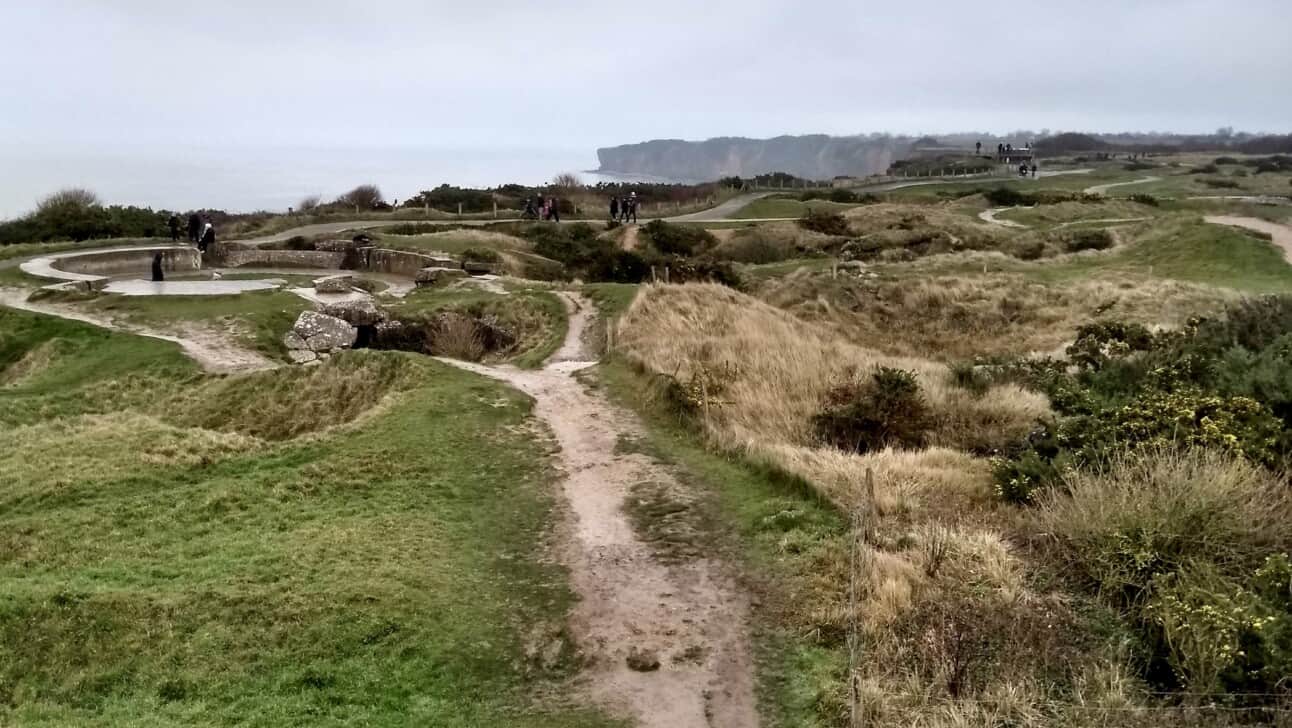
[1095, 239]
[1223, 184]
[677, 239]
[826, 223]
[1190, 546]
[886, 409]
[1144, 199]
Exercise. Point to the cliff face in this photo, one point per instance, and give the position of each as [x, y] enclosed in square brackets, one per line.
[815, 157]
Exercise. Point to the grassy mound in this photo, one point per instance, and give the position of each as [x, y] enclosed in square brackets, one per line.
[534, 321]
[291, 401]
[161, 573]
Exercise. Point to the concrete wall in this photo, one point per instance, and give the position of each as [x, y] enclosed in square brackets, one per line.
[238, 257]
[120, 262]
[401, 263]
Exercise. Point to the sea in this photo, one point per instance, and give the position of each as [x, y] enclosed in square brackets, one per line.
[247, 179]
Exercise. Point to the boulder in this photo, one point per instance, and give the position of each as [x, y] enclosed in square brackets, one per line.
[359, 312]
[642, 660]
[324, 333]
[434, 276]
[334, 284]
[299, 356]
[293, 341]
[477, 267]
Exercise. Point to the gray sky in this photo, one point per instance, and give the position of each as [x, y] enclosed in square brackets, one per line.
[95, 91]
[122, 72]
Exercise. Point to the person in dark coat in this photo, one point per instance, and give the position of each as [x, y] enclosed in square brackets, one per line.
[1033, 170]
[194, 228]
[158, 276]
[554, 209]
[173, 223]
[208, 238]
[614, 207]
[631, 202]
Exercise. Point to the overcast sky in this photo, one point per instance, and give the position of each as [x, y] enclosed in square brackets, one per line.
[419, 72]
[88, 83]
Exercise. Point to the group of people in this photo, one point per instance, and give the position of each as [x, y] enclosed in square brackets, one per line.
[546, 208]
[200, 230]
[621, 210]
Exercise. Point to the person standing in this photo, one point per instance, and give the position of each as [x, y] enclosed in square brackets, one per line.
[614, 208]
[158, 276]
[208, 237]
[173, 224]
[632, 207]
[1033, 170]
[194, 228]
[554, 205]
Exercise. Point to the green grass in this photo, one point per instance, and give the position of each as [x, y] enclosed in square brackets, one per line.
[611, 299]
[1183, 250]
[259, 317]
[389, 573]
[773, 526]
[776, 207]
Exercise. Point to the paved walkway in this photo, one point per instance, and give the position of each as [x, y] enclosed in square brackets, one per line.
[1103, 189]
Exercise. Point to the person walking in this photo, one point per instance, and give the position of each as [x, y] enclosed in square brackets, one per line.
[208, 237]
[1033, 170]
[158, 276]
[632, 207]
[194, 228]
[614, 208]
[173, 224]
[554, 206]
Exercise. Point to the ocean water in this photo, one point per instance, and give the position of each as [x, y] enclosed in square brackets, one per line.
[249, 178]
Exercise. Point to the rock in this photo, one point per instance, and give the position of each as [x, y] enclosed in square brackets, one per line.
[360, 312]
[334, 284]
[642, 660]
[293, 341]
[433, 276]
[299, 356]
[477, 267]
[336, 246]
[324, 333]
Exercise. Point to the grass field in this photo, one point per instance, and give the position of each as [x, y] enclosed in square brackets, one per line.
[383, 573]
[777, 207]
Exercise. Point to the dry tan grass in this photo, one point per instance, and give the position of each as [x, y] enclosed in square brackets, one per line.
[968, 230]
[782, 366]
[479, 238]
[957, 317]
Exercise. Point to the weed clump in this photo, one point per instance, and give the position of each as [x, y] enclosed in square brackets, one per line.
[887, 409]
[1092, 239]
[826, 223]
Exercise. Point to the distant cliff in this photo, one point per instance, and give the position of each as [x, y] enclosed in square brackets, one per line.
[815, 156]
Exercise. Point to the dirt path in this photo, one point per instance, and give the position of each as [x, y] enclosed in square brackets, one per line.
[630, 240]
[1102, 189]
[211, 349]
[1281, 234]
[989, 216]
[690, 614]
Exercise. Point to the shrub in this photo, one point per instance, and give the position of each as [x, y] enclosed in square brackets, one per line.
[1099, 342]
[755, 246]
[885, 410]
[677, 239]
[827, 223]
[308, 203]
[364, 197]
[1186, 544]
[1225, 184]
[1144, 199]
[1225, 160]
[1205, 169]
[1008, 197]
[1137, 166]
[840, 194]
[483, 255]
[1090, 239]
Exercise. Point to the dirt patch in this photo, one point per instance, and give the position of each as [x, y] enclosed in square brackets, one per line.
[689, 613]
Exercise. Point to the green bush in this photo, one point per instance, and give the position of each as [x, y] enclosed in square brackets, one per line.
[1222, 184]
[1089, 239]
[887, 409]
[677, 239]
[754, 246]
[1205, 169]
[827, 223]
[1144, 199]
[1008, 197]
[483, 255]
